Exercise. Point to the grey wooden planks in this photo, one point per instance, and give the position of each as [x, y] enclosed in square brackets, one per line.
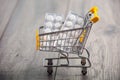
[20, 61]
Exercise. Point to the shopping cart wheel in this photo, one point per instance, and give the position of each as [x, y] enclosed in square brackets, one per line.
[49, 68]
[83, 61]
[84, 71]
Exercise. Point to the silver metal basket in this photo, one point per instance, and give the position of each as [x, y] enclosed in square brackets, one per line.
[65, 42]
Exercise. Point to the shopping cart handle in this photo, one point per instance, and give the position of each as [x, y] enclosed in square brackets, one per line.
[37, 40]
[94, 11]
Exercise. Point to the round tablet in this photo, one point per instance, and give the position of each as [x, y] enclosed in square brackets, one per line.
[58, 18]
[50, 18]
[79, 21]
[57, 25]
[49, 24]
[69, 24]
[72, 17]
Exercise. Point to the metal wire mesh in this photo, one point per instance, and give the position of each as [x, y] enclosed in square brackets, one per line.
[65, 40]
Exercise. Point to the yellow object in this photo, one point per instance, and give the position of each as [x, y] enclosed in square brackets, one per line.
[82, 36]
[37, 40]
[96, 17]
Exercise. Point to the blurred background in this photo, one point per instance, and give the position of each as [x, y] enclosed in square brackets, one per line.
[19, 59]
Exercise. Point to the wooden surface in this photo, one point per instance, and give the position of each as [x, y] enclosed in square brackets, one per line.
[20, 61]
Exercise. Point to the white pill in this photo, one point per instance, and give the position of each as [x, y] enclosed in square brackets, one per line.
[49, 24]
[69, 24]
[72, 17]
[50, 18]
[57, 25]
[79, 21]
[58, 18]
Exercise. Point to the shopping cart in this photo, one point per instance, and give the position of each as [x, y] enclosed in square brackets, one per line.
[75, 44]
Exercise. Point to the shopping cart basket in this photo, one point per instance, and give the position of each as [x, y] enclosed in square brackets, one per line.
[71, 44]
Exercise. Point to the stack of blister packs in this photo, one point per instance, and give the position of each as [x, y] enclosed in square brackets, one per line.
[54, 22]
[72, 21]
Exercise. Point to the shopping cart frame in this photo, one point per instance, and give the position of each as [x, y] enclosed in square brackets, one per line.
[88, 22]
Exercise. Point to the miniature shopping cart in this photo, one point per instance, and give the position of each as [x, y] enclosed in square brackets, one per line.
[73, 43]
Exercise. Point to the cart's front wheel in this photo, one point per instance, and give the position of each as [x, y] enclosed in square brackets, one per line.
[84, 71]
[50, 68]
[49, 71]
[83, 61]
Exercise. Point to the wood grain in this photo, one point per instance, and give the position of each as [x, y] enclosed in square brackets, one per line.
[20, 61]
